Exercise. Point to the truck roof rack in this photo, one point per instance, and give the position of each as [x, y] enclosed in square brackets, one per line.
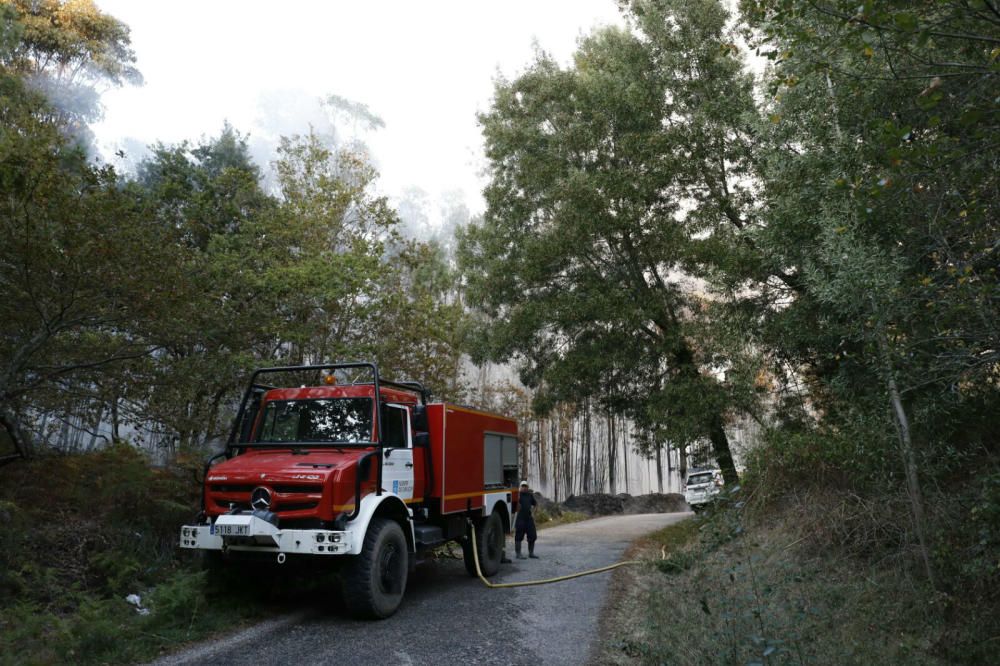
[411, 386]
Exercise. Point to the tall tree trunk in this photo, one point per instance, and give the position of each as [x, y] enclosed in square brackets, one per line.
[63, 441]
[724, 458]
[543, 438]
[685, 360]
[557, 473]
[115, 423]
[570, 460]
[625, 452]
[659, 467]
[78, 433]
[909, 458]
[213, 415]
[612, 450]
[587, 461]
[19, 439]
[555, 458]
[95, 432]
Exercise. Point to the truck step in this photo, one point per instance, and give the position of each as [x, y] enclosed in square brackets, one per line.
[428, 535]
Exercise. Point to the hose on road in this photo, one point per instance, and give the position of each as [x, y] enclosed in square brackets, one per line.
[544, 581]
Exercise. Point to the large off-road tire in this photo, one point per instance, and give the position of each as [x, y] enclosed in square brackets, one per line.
[490, 542]
[375, 580]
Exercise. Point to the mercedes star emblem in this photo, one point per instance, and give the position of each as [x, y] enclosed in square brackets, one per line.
[260, 498]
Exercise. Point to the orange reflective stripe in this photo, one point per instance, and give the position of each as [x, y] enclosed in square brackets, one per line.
[415, 500]
[478, 493]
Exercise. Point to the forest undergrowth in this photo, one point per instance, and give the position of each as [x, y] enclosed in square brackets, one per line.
[81, 534]
[814, 575]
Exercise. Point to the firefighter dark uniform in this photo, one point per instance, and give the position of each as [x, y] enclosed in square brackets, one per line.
[524, 524]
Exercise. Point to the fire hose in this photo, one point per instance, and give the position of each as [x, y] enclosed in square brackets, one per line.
[544, 581]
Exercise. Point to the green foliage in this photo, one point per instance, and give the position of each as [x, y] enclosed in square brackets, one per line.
[876, 183]
[72, 39]
[66, 51]
[110, 530]
[576, 264]
[73, 239]
[675, 562]
[857, 453]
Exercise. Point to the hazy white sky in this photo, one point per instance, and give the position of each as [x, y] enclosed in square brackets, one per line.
[425, 66]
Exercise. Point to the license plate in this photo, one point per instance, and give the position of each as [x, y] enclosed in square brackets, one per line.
[229, 529]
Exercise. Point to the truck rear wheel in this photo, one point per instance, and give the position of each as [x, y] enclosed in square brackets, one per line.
[489, 541]
[375, 580]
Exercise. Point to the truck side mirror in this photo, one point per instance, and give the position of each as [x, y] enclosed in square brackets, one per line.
[418, 413]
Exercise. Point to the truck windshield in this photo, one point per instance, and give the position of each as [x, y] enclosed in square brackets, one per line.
[344, 420]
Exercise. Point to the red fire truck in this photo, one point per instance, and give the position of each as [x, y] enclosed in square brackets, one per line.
[359, 470]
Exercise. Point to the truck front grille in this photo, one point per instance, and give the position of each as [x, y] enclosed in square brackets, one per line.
[280, 488]
[231, 488]
[287, 498]
[280, 508]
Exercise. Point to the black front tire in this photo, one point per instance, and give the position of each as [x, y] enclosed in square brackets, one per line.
[374, 582]
[490, 542]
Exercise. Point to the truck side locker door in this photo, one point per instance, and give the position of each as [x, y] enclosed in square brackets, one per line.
[397, 461]
[421, 453]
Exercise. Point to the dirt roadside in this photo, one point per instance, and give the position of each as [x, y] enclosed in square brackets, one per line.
[616, 626]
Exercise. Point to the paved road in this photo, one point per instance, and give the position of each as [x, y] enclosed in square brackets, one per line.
[448, 617]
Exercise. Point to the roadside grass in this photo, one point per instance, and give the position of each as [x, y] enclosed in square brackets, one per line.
[543, 519]
[78, 534]
[726, 588]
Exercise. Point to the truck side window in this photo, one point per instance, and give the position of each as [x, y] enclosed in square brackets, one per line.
[395, 427]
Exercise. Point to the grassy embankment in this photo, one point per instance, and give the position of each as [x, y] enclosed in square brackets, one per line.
[815, 577]
[78, 534]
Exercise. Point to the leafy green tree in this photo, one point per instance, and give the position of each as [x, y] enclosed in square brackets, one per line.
[208, 200]
[81, 269]
[316, 274]
[421, 325]
[880, 182]
[613, 182]
[66, 50]
[332, 235]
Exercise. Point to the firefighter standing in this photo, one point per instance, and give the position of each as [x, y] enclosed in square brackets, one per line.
[524, 524]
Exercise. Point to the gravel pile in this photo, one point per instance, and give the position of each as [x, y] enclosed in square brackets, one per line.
[552, 509]
[597, 504]
[657, 503]
[602, 504]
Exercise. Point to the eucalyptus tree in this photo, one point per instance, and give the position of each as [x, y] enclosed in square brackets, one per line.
[613, 184]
